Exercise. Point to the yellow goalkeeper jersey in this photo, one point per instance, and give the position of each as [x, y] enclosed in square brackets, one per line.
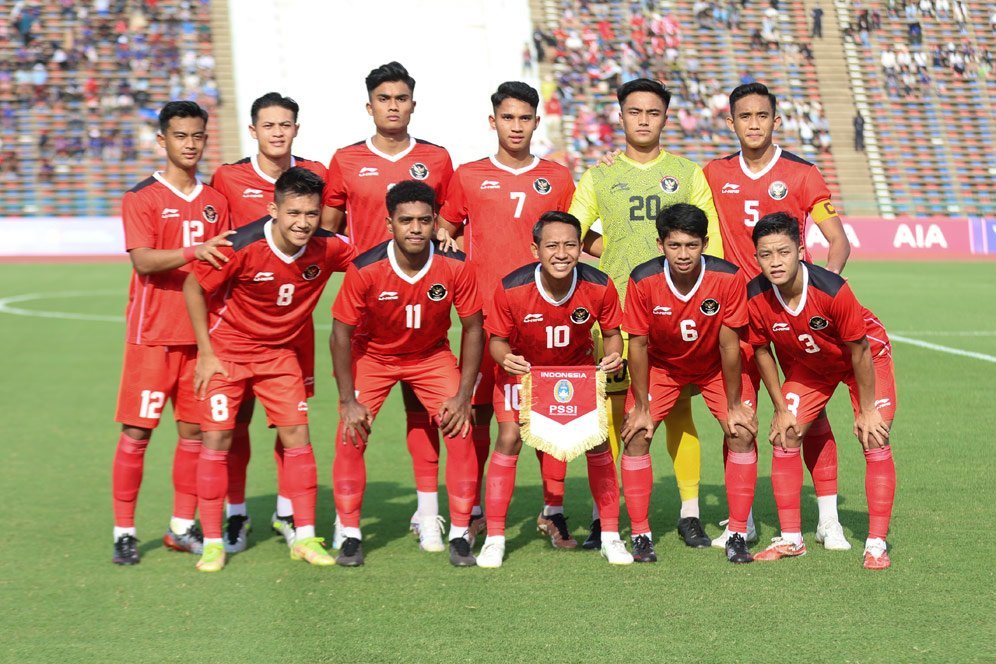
[627, 196]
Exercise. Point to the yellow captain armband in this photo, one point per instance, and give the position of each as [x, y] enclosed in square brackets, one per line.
[823, 210]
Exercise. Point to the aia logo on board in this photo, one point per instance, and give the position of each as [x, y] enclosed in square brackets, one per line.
[436, 292]
[419, 171]
[542, 186]
[311, 272]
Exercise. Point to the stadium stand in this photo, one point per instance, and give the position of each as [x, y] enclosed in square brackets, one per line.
[80, 86]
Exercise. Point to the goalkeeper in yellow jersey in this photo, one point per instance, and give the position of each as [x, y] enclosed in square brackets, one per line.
[618, 204]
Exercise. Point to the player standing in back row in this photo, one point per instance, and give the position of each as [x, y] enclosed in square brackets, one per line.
[626, 197]
[358, 177]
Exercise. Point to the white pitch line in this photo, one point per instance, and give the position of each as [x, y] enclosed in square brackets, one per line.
[942, 349]
[949, 333]
[30, 297]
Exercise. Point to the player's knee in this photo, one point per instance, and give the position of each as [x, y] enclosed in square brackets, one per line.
[604, 447]
[294, 436]
[638, 446]
[217, 440]
[189, 430]
[136, 433]
[740, 443]
[508, 441]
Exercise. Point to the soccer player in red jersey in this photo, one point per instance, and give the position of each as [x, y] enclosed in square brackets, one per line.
[391, 319]
[495, 200]
[358, 176]
[271, 283]
[248, 186]
[758, 180]
[823, 337]
[170, 220]
[543, 314]
[684, 315]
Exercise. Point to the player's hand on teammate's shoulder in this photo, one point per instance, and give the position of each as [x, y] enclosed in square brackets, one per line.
[208, 251]
[206, 367]
[356, 421]
[516, 365]
[446, 241]
[456, 416]
[611, 363]
[637, 421]
[871, 430]
[741, 416]
[609, 158]
[781, 423]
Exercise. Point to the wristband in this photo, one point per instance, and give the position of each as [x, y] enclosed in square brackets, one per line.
[188, 254]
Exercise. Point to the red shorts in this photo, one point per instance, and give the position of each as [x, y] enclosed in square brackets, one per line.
[505, 397]
[433, 378]
[485, 385]
[277, 384]
[304, 348]
[665, 390]
[149, 376]
[749, 365]
[807, 392]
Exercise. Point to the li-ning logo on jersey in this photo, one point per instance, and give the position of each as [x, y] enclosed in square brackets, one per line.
[709, 307]
[670, 184]
[563, 391]
[419, 171]
[302, 406]
[170, 213]
[367, 171]
[311, 272]
[580, 315]
[882, 403]
[778, 190]
[731, 188]
[387, 295]
[780, 327]
[249, 192]
[818, 323]
[490, 184]
[662, 311]
[533, 318]
[263, 276]
[542, 186]
[436, 292]
[210, 214]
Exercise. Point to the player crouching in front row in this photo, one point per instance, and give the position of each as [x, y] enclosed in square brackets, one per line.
[272, 281]
[543, 314]
[823, 337]
[684, 313]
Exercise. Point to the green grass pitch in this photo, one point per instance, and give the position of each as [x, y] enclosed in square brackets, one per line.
[63, 600]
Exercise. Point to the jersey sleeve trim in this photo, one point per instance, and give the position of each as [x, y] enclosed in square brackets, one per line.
[592, 274]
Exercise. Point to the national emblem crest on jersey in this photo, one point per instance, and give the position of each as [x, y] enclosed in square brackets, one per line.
[778, 190]
[563, 391]
[311, 272]
[580, 315]
[419, 171]
[436, 292]
[542, 186]
[818, 323]
[670, 184]
[709, 307]
[210, 214]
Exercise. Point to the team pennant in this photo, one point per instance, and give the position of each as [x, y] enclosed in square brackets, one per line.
[563, 410]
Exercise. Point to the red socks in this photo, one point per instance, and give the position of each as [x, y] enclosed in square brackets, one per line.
[481, 435]
[238, 462]
[461, 482]
[819, 450]
[604, 487]
[185, 462]
[741, 478]
[423, 445]
[554, 472]
[786, 483]
[129, 461]
[301, 480]
[278, 458]
[349, 480]
[212, 485]
[638, 484]
[501, 484]
[880, 489]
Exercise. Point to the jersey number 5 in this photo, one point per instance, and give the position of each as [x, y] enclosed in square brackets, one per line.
[750, 209]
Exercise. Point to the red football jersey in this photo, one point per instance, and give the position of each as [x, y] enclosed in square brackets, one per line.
[814, 333]
[359, 176]
[547, 332]
[788, 184]
[683, 330]
[268, 295]
[248, 189]
[158, 216]
[499, 206]
[397, 315]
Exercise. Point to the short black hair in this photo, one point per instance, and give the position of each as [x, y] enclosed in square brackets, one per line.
[180, 109]
[777, 223]
[410, 191]
[297, 181]
[273, 99]
[748, 89]
[683, 218]
[555, 217]
[643, 85]
[515, 90]
[392, 71]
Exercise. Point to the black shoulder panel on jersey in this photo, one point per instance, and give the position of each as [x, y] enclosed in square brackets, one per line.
[728, 157]
[244, 160]
[371, 256]
[424, 142]
[143, 184]
[520, 277]
[455, 254]
[321, 232]
[824, 280]
[592, 274]
[719, 265]
[648, 269]
[246, 235]
[758, 285]
[791, 156]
